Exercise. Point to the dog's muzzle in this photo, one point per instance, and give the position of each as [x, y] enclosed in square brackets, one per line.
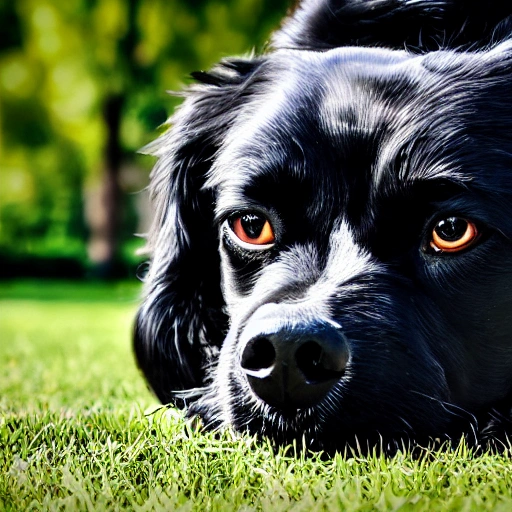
[290, 362]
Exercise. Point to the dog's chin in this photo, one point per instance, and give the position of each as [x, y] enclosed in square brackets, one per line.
[298, 427]
[323, 428]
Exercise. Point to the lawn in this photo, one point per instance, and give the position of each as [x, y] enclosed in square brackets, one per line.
[78, 431]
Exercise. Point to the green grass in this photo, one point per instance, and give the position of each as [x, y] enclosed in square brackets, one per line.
[74, 434]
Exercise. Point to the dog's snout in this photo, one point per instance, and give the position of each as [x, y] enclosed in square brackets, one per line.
[293, 367]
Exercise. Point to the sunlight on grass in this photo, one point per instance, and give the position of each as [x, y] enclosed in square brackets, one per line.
[74, 435]
[66, 353]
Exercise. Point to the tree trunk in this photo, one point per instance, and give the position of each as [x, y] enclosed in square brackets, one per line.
[105, 206]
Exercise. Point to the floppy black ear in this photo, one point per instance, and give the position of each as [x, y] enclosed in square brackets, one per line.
[422, 25]
[181, 325]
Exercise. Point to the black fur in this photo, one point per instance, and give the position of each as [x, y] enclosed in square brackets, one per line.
[366, 124]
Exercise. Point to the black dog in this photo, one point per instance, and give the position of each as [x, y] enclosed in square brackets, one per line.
[332, 246]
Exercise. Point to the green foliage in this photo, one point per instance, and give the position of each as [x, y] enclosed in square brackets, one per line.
[60, 62]
[74, 434]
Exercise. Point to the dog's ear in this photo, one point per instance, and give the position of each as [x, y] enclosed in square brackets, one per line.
[421, 25]
[181, 325]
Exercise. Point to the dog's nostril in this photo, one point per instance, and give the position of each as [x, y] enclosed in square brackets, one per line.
[292, 364]
[259, 354]
[318, 366]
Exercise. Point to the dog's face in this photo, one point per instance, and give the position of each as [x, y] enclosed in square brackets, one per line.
[332, 251]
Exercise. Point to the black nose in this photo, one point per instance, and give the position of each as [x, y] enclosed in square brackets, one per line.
[293, 366]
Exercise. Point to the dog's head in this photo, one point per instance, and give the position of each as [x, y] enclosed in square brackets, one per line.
[332, 246]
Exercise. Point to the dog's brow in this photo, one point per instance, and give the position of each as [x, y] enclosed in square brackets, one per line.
[228, 204]
[436, 189]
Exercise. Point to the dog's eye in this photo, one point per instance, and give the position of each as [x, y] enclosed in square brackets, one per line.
[253, 229]
[453, 234]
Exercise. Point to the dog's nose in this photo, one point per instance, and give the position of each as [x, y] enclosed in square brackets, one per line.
[294, 366]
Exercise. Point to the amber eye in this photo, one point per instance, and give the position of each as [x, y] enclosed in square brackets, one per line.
[253, 228]
[453, 234]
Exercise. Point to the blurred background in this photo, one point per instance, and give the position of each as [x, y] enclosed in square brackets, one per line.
[82, 88]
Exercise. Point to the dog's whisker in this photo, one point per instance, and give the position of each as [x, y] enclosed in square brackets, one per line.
[192, 393]
[410, 429]
[452, 409]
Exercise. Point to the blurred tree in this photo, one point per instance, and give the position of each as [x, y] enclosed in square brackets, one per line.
[81, 89]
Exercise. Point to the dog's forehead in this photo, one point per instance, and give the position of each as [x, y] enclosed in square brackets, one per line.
[375, 117]
[303, 94]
